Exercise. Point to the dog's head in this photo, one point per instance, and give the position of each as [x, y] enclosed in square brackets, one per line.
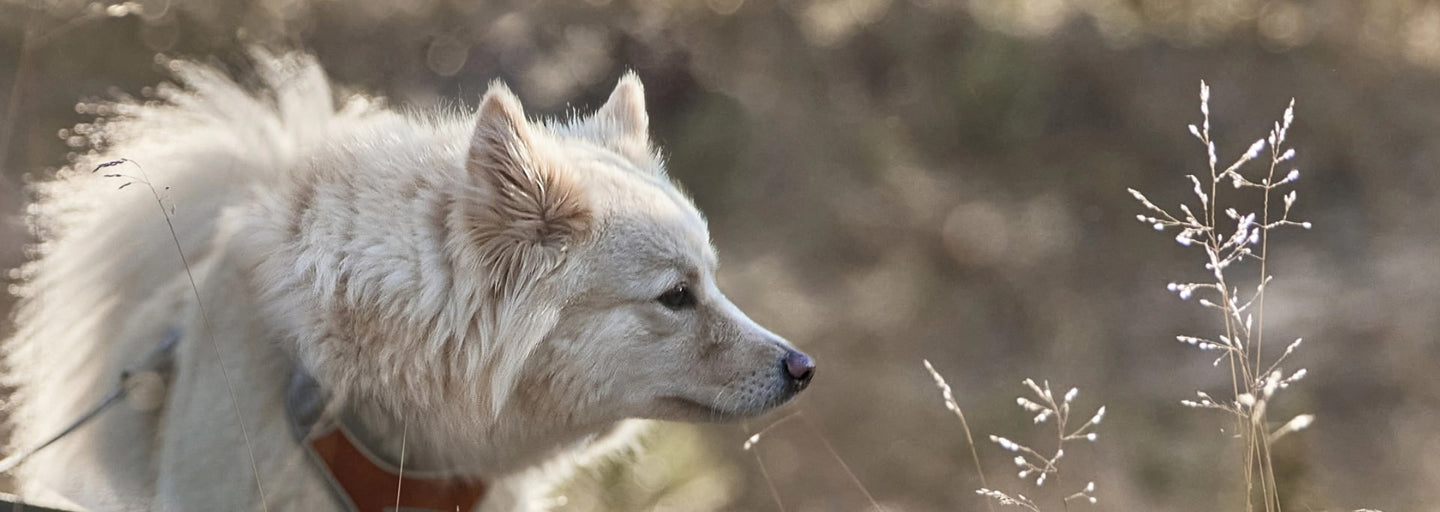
[513, 285]
[609, 270]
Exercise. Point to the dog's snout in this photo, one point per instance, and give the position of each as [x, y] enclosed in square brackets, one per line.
[799, 367]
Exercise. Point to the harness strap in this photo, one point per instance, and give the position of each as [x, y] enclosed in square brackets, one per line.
[358, 479]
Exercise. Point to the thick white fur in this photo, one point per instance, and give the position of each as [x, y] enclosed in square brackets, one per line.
[483, 282]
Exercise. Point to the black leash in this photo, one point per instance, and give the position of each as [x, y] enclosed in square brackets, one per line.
[155, 360]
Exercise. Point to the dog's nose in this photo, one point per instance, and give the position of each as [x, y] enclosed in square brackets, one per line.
[799, 366]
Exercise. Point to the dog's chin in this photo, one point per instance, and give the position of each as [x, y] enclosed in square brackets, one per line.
[678, 408]
[686, 409]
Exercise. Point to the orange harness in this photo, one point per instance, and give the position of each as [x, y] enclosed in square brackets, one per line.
[361, 481]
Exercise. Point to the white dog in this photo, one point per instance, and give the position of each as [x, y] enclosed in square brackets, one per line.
[482, 295]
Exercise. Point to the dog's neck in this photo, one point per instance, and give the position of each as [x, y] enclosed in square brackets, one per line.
[389, 440]
[483, 449]
[480, 449]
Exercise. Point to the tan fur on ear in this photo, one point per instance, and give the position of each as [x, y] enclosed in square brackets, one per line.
[527, 210]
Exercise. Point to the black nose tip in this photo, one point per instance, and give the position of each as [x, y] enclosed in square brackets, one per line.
[799, 366]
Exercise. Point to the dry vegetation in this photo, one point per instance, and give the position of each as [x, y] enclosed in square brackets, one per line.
[1255, 379]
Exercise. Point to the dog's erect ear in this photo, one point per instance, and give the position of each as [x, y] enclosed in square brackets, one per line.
[502, 139]
[529, 209]
[624, 112]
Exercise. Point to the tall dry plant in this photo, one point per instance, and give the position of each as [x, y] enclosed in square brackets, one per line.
[1035, 466]
[1235, 243]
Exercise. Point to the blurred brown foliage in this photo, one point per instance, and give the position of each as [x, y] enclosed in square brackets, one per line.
[891, 180]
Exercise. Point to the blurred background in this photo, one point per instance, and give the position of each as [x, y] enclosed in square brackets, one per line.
[893, 180]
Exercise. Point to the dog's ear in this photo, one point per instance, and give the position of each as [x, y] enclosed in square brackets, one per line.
[624, 113]
[528, 209]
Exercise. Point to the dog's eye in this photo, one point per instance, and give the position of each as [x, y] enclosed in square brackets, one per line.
[677, 298]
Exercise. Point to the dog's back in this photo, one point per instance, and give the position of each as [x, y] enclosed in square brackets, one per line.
[107, 281]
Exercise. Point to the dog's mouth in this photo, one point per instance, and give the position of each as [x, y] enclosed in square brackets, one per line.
[689, 409]
[682, 408]
[745, 395]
